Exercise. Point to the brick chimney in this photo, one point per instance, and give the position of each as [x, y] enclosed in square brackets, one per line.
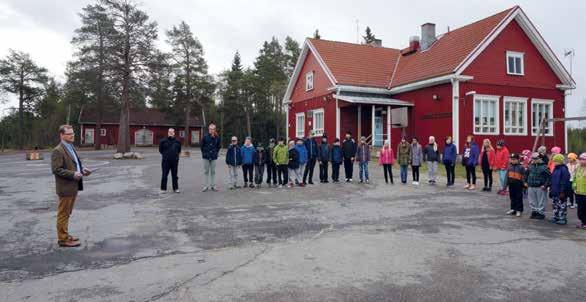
[427, 35]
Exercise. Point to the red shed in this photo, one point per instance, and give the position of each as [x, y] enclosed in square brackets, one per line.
[494, 78]
[147, 127]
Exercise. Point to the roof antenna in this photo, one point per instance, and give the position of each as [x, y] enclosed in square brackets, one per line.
[357, 32]
[448, 28]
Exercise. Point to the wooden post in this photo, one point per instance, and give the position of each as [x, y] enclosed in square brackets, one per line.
[389, 123]
[373, 125]
[359, 121]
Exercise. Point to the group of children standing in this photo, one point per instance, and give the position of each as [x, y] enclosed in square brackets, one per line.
[543, 177]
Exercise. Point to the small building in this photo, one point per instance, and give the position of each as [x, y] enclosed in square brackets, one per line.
[147, 127]
[495, 78]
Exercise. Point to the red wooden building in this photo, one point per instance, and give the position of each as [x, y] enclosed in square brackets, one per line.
[147, 127]
[494, 78]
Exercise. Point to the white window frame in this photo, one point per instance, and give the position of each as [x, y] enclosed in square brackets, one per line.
[516, 55]
[494, 98]
[517, 101]
[299, 133]
[103, 132]
[550, 116]
[315, 131]
[309, 81]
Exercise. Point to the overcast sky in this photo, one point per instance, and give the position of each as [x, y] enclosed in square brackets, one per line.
[45, 28]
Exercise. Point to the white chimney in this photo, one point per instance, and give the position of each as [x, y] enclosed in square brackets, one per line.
[427, 35]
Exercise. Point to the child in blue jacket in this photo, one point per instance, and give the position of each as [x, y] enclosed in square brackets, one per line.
[336, 157]
[248, 158]
[559, 188]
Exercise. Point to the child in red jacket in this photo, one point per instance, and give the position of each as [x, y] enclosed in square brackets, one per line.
[500, 163]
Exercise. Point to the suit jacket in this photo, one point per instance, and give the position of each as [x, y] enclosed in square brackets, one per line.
[63, 167]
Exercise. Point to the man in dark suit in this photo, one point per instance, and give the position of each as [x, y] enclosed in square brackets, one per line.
[69, 173]
[170, 147]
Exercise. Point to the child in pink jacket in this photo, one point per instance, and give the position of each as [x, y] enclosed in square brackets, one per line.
[387, 159]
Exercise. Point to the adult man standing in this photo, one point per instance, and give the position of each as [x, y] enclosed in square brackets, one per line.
[349, 152]
[210, 146]
[170, 148]
[69, 172]
[311, 147]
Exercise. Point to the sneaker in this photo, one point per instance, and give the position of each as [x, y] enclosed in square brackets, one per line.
[231, 187]
[540, 216]
[205, 189]
[289, 186]
[472, 187]
[518, 214]
[533, 215]
[325, 181]
[581, 226]
[553, 220]
[467, 186]
[214, 189]
[162, 191]
[251, 185]
[361, 181]
[562, 222]
[416, 183]
[413, 182]
[367, 181]
[310, 182]
[280, 186]
[573, 206]
[176, 191]
[489, 189]
[510, 212]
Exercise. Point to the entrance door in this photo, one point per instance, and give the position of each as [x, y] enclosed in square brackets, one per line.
[89, 136]
[377, 139]
[143, 137]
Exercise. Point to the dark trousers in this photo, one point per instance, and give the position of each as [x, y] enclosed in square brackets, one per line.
[335, 171]
[169, 165]
[451, 173]
[283, 173]
[309, 167]
[272, 173]
[348, 167]
[247, 171]
[388, 168]
[471, 175]
[415, 172]
[487, 174]
[571, 197]
[323, 171]
[259, 172]
[516, 195]
[581, 201]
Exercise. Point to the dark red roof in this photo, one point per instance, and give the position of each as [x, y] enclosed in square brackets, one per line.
[446, 53]
[356, 64]
[364, 65]
[138, 117]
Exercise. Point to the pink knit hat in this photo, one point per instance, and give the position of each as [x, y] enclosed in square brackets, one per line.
[556, 150]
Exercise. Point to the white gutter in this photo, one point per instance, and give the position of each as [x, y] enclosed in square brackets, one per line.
[430, 82]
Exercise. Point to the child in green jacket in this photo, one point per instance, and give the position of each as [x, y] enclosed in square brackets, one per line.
[281, 159]
[579, 186]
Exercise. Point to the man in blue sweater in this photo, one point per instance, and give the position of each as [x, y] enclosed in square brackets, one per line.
[312, 149]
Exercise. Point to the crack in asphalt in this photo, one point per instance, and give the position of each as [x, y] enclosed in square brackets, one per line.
[224, 273]
[177, 286]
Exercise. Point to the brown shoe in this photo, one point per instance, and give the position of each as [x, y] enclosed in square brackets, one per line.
[68, 243]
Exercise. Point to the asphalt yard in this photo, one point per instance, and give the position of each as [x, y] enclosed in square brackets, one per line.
[326, 242]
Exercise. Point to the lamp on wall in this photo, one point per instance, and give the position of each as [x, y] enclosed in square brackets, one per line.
[435, 97]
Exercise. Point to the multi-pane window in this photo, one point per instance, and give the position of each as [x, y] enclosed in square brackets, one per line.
[541, 109]
[309, 81]
[515, 116]
[515, 64]
[486, 114]
[300, 125]
[103, 132]
[318, 122]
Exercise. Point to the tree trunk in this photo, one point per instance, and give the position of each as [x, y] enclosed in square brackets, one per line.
[187, 123]
[123, 129]
[21, 112]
